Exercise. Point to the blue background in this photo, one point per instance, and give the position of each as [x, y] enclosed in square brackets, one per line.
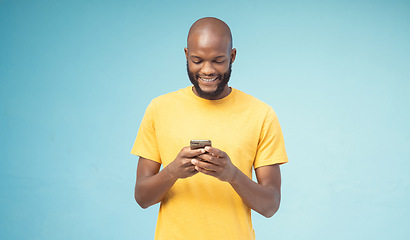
[76, 77]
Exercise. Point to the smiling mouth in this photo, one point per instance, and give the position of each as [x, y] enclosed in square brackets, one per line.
[208, 79]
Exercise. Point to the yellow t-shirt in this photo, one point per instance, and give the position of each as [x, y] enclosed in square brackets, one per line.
[203, 207]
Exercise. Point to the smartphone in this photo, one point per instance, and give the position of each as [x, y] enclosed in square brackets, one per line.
[195, 144]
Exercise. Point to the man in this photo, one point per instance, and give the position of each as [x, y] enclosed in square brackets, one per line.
[208, 193]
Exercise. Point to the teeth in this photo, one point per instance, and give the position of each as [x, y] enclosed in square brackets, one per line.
[208, 79]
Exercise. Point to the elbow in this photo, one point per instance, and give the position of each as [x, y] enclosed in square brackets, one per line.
[143, 206]
[270, 210]
[143, 197]
[141, 202]
[269, 213]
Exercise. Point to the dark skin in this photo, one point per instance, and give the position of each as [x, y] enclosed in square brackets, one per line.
[209, 53]
[152, 185]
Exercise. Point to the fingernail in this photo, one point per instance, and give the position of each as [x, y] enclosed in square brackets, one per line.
[207, 148]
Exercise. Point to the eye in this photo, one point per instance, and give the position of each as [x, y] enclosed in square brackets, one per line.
[196, 61]
[220, 61]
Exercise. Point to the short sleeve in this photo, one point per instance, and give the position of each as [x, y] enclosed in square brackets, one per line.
[145, 144]
[271, 146]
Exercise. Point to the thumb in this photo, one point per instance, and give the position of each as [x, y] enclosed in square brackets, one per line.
[195, 152]
[215, 151]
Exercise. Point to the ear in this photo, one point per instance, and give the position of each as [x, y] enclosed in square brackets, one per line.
[186, 53]
[233, 55]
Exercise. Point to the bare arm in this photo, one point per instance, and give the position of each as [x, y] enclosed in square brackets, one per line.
[263, 197]
[152, 185]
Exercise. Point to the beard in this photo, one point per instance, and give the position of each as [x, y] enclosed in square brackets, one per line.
[219, 89]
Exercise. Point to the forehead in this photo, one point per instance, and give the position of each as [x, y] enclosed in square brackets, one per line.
[207, 43]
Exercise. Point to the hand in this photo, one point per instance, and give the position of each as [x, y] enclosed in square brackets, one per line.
[182, 166]
[215, 163]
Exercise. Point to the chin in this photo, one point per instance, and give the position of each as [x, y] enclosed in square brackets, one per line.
[208, 90]
[217, 91]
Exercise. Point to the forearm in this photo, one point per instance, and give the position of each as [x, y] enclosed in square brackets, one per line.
[263, 199]
[152, 185]
[151, 190]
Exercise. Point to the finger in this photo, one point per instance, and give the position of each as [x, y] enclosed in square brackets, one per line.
[209, 158]
[215, 151]
[188, 153]
[206, 171]
[205, 165]
[193, 171]
[188, 165]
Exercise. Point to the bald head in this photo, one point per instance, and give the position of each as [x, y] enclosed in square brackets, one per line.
[210, 30]
[209, 55]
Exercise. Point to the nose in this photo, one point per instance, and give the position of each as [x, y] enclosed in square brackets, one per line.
[207, 68]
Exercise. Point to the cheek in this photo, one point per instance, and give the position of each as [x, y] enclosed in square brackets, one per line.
[194, 68]
[222, 69]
